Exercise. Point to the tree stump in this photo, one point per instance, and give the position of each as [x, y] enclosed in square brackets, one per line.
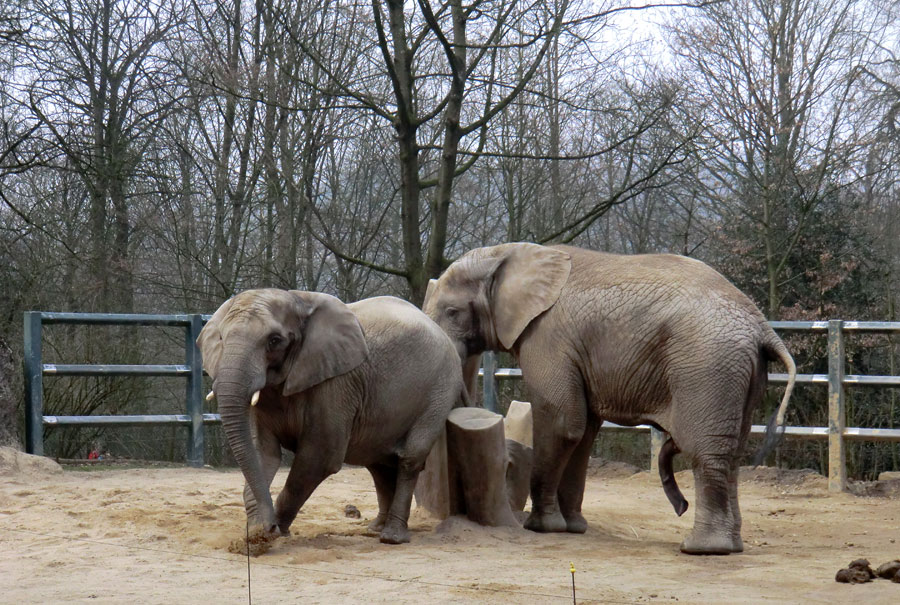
[477, 447]
[478, 464]
[518, 423]
[437, 489]
[519, 439]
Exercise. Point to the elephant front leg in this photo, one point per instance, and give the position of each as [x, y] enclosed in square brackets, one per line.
[270, 457]
[553, 448]
[571, 486]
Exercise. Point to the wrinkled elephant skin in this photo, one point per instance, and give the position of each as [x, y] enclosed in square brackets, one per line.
[370, 383]
[647, 339]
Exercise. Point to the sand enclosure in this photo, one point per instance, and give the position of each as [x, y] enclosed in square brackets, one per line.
[161, 535]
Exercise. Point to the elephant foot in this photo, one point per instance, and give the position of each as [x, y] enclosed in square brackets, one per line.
[396, 534]
[547, 523]
[710, 545]
[269, 529]
[576, 523]
[377, 525]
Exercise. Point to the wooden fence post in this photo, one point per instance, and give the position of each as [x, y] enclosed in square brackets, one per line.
[489, 381]
[837, 418]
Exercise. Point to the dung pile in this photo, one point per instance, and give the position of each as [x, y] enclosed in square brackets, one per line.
[859, 572]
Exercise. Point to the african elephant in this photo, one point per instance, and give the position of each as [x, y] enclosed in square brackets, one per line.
[370, 383]
[651, 339]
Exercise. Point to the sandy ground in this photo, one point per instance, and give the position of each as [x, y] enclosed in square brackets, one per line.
[162, 535]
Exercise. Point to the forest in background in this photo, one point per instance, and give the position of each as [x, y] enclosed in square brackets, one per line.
[158, 156]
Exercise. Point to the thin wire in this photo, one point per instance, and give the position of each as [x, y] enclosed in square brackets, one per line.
[320, 571]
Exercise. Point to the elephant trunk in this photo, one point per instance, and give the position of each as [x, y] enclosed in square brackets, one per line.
[234, 387]
[471, 365]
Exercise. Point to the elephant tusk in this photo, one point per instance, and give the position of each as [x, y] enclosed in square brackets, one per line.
[255, 399]
[210, 395]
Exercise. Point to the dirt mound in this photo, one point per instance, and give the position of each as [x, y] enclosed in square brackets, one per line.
[769, 475]
[19, 465]
[610, 469]
[876, 489]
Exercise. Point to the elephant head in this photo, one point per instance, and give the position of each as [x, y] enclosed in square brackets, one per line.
[486, 299]
[285, 340]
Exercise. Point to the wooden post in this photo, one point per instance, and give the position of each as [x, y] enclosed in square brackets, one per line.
[518, 426]
[437, 489]
[477, 448]
[837, 457]
[657, 437]
[489, 381]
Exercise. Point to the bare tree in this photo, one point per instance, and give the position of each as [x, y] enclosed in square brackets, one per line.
[96, 91]
[775, 79]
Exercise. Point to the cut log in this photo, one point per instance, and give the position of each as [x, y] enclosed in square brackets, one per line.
[518, 474]
[477, 448]
[518, 426]
[437, 489]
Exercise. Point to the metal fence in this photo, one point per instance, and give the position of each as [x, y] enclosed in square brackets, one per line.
[191, 369]
[836, 380]
[837, 433]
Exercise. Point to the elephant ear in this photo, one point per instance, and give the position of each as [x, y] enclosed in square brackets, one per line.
[210, 339]
[333, 342]
[527, 282]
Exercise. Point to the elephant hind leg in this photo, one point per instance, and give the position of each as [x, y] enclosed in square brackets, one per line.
[571, 486]
[395, 529]
[385, 478]
[755, 394]
[713, 532]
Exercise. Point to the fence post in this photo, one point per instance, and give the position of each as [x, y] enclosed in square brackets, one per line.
[489, 381]
[657, 437]
[837, 457]
[194, 392]
[34, 385]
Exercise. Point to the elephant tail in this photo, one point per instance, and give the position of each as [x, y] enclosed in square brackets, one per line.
[775, 350]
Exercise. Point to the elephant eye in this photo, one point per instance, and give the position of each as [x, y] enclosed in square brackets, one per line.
[452, 312]
[275, 341]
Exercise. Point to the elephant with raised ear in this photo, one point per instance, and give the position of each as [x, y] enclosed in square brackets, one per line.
[370, 383]
[648, 339]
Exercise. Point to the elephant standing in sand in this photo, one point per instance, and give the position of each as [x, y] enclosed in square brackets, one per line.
[649, 339]
[370, 383]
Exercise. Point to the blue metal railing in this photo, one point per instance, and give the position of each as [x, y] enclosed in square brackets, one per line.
[192, 369]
